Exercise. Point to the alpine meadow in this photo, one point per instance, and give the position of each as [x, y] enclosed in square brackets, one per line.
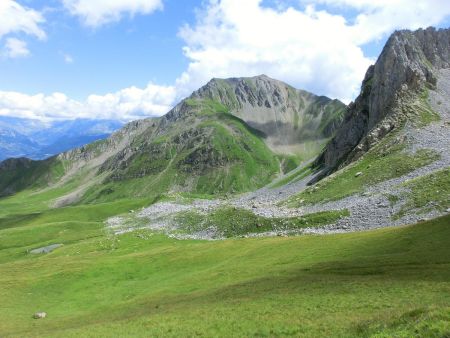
[245, 207]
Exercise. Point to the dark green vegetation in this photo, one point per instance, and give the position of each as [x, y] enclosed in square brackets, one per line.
[389, 282]
[385, 161]
[232, 222]
[18, 174]
[426, 193]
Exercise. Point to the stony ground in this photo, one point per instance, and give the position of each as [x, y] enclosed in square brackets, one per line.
[368, 210]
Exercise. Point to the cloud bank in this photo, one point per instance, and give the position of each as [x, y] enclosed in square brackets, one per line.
[126, 104]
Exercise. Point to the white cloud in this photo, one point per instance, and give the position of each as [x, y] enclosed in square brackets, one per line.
[316, 50]
[378, 17]
[126, 104]
[15, 18]
[68, 58]
[94, 13]
[309, 48]
[15, 48]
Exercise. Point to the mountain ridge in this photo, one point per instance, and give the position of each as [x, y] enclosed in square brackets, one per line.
[412, 60]
[203, 139]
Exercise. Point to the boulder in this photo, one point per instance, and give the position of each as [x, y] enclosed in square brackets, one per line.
[40, 315]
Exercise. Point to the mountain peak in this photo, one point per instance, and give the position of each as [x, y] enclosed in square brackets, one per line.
[231, 80]
[408, 65]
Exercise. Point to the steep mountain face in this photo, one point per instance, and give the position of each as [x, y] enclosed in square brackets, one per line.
[393, 92]
[292, 120]
[226, 137]
[37, 140]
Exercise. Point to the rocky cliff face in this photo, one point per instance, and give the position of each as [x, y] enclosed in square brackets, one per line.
[406, 67]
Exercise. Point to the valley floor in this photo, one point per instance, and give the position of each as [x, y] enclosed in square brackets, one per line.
[383, 283]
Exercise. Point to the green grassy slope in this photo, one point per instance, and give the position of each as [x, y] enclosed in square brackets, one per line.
[426, 193]
[386, 160]
[207, 152]
[389, 282]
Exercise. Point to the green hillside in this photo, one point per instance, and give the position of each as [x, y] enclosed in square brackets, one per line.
[206, 151]
[22, 173]
[384, 283]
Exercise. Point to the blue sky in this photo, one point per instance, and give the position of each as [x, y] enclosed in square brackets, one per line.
[130, 52]
[140, 57]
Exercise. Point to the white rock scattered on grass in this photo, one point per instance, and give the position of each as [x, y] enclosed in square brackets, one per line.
[359, 173]
[40, 315]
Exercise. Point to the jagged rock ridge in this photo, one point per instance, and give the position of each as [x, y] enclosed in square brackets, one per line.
[406, 67]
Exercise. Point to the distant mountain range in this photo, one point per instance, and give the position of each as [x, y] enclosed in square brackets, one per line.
[38, 140]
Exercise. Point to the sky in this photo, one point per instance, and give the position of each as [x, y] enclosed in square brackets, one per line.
[128, 59]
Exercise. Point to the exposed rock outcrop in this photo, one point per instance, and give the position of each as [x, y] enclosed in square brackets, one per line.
[405, 68]
[287, 116]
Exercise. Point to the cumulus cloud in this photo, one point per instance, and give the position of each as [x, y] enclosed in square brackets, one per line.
[310, 48]
[126, 104]
[15, 48]
[16, 18]
[94, 13]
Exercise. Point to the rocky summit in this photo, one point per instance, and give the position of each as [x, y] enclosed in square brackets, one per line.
[289, 118]
[408, 67]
